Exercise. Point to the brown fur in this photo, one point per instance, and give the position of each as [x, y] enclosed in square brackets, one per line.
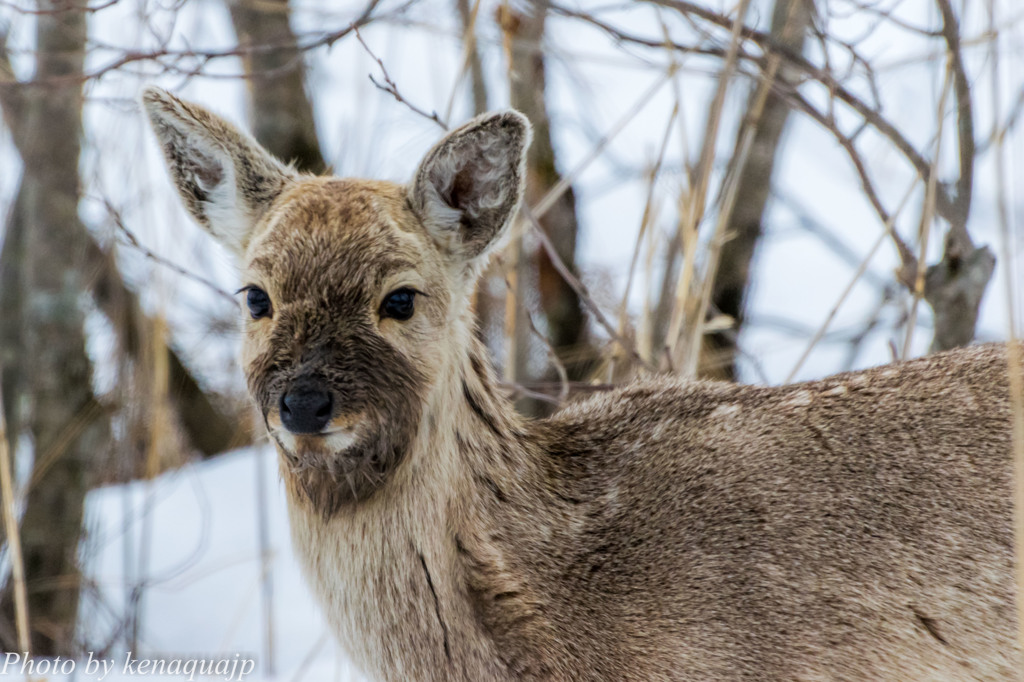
[855, 528]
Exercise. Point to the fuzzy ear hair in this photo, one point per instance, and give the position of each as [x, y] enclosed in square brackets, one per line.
[468, 187]
[225, 178]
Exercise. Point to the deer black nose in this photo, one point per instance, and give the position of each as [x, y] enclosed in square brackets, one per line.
[305, 409]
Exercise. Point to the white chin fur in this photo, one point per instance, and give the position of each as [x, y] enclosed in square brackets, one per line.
[340, 440]
[337, 440]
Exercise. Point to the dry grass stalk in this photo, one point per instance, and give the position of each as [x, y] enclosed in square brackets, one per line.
[682, 304]
[512, 257]
[648, 217]
[266, 550]
[692, 349]
[513, 254]
[645, 327]
[698, 195]
[161, 444]
[13, 538]
[1016, 366]
[161, 436]
[1014, 360]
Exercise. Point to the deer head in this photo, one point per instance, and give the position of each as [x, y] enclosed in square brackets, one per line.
[356, 292]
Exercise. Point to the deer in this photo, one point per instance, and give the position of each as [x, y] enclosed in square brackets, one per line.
[857, 527]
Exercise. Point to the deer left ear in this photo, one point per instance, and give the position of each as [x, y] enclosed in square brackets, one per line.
[225, 178]
[468, 187]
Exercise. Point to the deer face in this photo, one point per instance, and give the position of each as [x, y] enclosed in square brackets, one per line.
[353, 290]
[347, 307]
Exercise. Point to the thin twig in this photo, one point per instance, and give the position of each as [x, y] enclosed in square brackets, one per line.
[645, 221]
[129, 56]
[556, 362]
[307, 661]
[580, 288]
[767, 46]
[552, 196]
[133, 241]
[861, 269]
[86, 9]
[470, 61]
[907, 259]
[389, 86]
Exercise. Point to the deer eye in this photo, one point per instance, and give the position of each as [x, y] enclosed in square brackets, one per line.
[258, 302]
[399, 304]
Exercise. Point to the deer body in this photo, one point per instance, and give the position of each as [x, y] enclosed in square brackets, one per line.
[821, 529]
[853, 528]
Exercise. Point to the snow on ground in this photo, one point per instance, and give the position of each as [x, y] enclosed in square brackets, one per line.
[203, 598]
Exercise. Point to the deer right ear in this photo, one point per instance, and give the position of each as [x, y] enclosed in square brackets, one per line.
[225, 178]
[468, 187]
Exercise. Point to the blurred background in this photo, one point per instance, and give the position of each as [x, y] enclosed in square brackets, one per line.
[761, 191]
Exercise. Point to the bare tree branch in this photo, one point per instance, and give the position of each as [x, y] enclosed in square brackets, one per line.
[171, 60]
[581, 290]
[389, 87]
[768, 46]
[954, 286]
[961, 207]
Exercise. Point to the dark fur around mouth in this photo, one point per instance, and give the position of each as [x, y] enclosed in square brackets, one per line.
[367, 376]
[331, 480]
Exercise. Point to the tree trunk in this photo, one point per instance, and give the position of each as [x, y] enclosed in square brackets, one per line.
[12, 350]
[955, 285]
[563, 312]
[790, 21]
[282, 116]
[68, 427]
[476, 68]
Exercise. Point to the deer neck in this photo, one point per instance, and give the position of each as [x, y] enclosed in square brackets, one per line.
[391, 570]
